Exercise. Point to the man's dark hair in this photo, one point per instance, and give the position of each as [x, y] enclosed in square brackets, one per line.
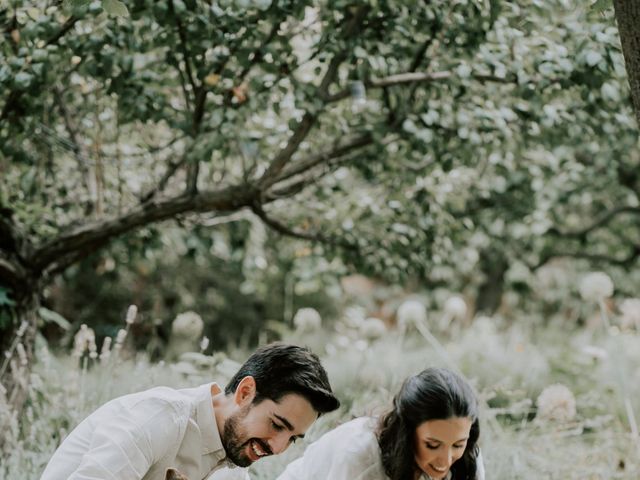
[281, 369]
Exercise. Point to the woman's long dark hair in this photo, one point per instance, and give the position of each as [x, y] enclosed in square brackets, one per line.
[433, 394]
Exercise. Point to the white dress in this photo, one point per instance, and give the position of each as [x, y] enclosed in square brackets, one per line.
[348, 452]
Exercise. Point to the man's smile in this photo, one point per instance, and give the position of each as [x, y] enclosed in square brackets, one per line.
[259, 449]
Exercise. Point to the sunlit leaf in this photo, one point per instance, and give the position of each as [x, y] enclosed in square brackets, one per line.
[115, 7]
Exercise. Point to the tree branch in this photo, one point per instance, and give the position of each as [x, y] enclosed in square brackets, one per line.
[171, 170]
[66, 26]
[257, 53]
[281, 228]
[339, 150]
[308, 120]
[290, 232]
[67, 248]
[415, 77]
[82, 158]
[600, 222]
[624, 262]
[183, 48]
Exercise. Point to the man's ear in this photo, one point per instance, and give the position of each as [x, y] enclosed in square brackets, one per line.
[245, 391]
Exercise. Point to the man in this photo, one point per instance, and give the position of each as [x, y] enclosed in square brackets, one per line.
[269, 403]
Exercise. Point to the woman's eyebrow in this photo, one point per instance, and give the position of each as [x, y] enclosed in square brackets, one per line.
[432, 439]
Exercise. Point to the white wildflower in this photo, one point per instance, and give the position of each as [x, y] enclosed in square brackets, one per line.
[132, 311]
[22, 354]
[455, 308]
[105, 352]
[556, 403]
[361, 345]
[198, 360]
[411, 312]
[84, 341]
[630, 310]
[594, 352]
[373, 328]
[187, 325]
[307, 320]
[120, 337]
[204, 343]
[23, 328]
[343, 341]
[185, 368]
[354, 316]
[596, 286]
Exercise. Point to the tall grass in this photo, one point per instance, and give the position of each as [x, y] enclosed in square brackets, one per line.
[509, 367]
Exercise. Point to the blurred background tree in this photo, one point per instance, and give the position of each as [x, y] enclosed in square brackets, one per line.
[145, 145]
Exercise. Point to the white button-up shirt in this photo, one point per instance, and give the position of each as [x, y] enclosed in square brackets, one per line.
[139, 436]
[349, 452]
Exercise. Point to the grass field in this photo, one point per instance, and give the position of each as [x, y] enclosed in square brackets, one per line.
[583, 431]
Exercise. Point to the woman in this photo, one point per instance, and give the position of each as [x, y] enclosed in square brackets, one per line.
[430, 433]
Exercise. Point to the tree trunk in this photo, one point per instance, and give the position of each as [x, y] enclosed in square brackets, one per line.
[18, 321]
[628, 18]
[494, 266]
[17, 342]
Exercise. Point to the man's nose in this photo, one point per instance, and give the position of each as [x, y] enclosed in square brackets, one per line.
[279, 443]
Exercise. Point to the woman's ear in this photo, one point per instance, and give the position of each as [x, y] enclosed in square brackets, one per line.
[245, 391]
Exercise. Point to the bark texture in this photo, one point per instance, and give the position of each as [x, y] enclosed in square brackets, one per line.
[628, 18]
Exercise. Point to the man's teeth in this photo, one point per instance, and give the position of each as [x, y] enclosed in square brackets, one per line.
[256, 450]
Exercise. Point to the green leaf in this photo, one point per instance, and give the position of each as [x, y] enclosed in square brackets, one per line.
[50, 316]
[600, 6]
[5, 300]
[77, 3]
[22, 80]
[115, 7]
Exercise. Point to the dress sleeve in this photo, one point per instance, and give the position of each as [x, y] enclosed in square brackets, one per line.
[342, 454]
[127, 441]
[479, 466]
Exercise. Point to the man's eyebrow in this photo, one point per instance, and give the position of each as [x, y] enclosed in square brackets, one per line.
[287, 424]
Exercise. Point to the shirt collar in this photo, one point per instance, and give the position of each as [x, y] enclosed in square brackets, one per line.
[206, 420]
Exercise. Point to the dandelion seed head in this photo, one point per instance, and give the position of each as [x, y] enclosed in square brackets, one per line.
[187, 325]
[307, 320]
[594, 352]
[455, 307]
[556, 403]
[373, 328]
[411, 312]
[596, 286]
[630, 312]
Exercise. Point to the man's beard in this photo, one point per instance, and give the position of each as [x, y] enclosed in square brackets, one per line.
[231, 439]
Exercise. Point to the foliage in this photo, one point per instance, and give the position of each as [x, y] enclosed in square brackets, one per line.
[470, 133]
[239, 279]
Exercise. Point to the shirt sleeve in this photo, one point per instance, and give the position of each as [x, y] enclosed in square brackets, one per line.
[227, 473]
[128, 440]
